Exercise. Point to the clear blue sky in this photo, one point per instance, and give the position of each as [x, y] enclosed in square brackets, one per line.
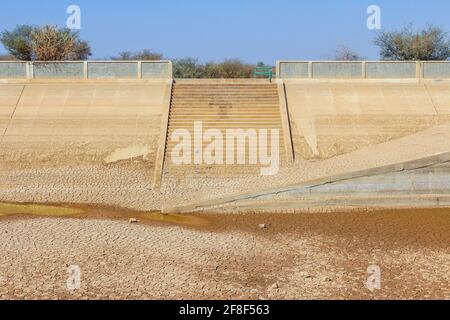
[253, 30]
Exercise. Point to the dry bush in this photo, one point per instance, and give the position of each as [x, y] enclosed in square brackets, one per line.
[144, 55]
[344, 53]
[431, 43]
[53, 44]
[7, 57]
[47, 43]
[228, 69]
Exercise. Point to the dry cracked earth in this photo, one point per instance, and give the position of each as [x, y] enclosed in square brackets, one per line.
[208, 256]
[296, 256]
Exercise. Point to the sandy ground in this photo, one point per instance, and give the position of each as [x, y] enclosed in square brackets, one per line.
[302, 256]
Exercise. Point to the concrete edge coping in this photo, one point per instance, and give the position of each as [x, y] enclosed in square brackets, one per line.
[289, 81]
[321, 197]
[357, 205]
[211, 81]
[85, 81]
[396, 167]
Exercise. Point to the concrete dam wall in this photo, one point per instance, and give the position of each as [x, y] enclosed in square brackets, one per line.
[108, 118]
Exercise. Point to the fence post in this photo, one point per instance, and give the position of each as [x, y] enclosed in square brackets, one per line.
[30, 70]
[364, 69]
[278, 70]
[418, 70]
[310, 70]
[170, 70]
[85, 70]
[139, 69]
[27, 67]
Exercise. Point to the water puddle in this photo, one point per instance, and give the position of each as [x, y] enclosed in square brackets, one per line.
[8, 209]
[23, 210]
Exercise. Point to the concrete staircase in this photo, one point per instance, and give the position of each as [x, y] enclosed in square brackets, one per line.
[234, 105]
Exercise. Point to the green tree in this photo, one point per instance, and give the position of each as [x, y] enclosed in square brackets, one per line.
[19, 42]
[188, 68]
[230, 68]
[408, 44]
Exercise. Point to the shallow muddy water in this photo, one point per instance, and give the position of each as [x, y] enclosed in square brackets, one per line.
[389, 228]
[30, 210]
[424, 227]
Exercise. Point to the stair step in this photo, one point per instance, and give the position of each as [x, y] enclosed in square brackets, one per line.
[228, 93]
[229, 122]
[225, 86]
[218, 105]
[216, 98]
[222, 107]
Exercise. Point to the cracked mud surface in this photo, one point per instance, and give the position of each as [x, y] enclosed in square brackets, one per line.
[303, 256]
[298, 256]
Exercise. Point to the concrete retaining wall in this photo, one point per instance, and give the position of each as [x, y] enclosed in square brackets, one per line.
[13, 70]
[69, 70]
[86, 70]
[363, 70]
[285, 70]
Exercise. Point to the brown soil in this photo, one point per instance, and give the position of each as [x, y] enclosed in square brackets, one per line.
[214, 256]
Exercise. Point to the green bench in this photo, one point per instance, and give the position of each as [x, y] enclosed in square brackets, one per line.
[263, 71]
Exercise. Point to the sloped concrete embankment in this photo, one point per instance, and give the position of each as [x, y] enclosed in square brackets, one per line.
[422, 182]
[50, 123]
[334, 117]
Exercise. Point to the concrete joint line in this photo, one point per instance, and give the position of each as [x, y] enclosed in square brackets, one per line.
[13, 113]
[161, 152]
[285, 121]
[431, 99]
